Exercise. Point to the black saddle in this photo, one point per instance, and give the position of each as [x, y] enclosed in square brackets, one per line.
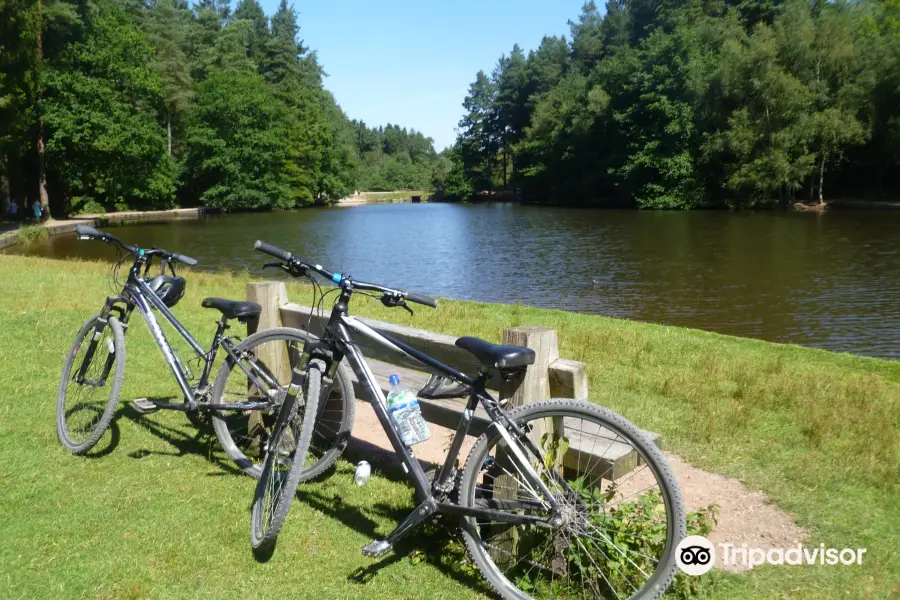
[233, 309]
[495, 355]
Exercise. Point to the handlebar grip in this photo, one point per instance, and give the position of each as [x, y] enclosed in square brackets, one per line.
[88, 231]
[273, 250]
[421, 299]
[191, 262]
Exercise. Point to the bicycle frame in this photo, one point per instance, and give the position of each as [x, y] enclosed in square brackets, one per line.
[137, 293]
[339, 335]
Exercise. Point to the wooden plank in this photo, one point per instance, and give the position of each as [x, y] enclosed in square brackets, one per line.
[568, 379]
[597, 452]
[439, 346]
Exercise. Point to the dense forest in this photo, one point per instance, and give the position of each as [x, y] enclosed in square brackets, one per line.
[691, 103]
[391, 158]
[132, 104]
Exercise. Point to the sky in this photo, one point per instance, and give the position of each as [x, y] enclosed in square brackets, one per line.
[411, 62]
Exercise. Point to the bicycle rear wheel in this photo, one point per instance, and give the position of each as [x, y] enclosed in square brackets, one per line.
[90, 384]
[621, 510]
[244, 434]
[284, 459]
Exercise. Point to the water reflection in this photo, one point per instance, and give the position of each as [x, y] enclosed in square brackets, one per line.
[824, 280]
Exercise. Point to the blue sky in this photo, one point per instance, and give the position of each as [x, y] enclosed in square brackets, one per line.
[411, 62]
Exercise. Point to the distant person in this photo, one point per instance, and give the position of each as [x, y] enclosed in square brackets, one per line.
[38, 213]
[13, 210]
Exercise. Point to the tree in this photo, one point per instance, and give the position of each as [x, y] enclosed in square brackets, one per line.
[258, 37]
[237, 143]
[168, 26]
[821, 53]
[19, 71]
[479, 136]
[512, 79]
[587, 37]
[100, 106]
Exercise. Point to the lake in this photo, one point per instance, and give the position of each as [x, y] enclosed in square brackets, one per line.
[823, 280]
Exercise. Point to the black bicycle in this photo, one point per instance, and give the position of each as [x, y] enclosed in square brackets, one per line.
[558, 499]
[257, 380]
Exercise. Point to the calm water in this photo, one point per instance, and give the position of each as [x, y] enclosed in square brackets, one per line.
[824, 280]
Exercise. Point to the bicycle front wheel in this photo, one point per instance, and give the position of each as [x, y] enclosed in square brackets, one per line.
[284, 460]
[621, 512]
[90, 384]
[244, 434]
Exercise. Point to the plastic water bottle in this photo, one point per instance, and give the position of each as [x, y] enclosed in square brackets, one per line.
[363, 470]
[403, 407]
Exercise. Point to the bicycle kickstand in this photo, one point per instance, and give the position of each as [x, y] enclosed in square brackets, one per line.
[378, 548]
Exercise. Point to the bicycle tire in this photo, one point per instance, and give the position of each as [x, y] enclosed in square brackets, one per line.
[334, 423]
[264, 534]
[117, 372]
[670, 494]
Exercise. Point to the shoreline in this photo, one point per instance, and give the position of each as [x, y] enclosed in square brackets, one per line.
[56, 227]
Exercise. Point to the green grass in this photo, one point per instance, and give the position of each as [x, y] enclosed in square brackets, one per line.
[161, 515]
[31, 233]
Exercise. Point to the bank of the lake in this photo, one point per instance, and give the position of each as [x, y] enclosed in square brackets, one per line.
[816, 431]
[52, 227]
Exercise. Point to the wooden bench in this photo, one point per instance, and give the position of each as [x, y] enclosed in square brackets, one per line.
[549, 377]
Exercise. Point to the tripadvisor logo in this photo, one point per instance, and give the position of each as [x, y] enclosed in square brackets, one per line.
[696, 555]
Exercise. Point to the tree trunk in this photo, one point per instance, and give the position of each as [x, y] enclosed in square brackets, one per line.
[169, 129]
[505, 159]
[4, 185]
[821, 178]
[42, 174]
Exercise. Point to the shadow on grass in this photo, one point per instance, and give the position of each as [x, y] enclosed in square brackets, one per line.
[197, 442]
[436, 542]
[114, 436]
[432, 543]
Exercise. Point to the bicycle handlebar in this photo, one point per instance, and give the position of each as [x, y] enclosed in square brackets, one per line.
[338, 278]
[421, 299]
[86, 232]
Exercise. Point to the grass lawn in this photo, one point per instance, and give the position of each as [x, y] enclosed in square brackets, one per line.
[159, 513]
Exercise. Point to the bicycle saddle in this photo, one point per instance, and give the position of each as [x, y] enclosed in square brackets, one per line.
[495, 355]
[233, 309]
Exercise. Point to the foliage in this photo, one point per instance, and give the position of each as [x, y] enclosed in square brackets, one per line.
[683, 105]
[237, 143]
[392, 158]
[133, 102]
[101, 102]
[635, 526]
[31, 233]
[448, 178]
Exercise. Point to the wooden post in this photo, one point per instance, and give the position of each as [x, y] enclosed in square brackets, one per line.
[535, 385]
[568, 379]
[270, 295]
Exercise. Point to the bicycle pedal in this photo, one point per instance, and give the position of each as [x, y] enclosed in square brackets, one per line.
[376, 548]
[144, 406]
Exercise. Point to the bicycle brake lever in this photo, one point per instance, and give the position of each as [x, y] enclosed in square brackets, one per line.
[272, 265]
[408, 309]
